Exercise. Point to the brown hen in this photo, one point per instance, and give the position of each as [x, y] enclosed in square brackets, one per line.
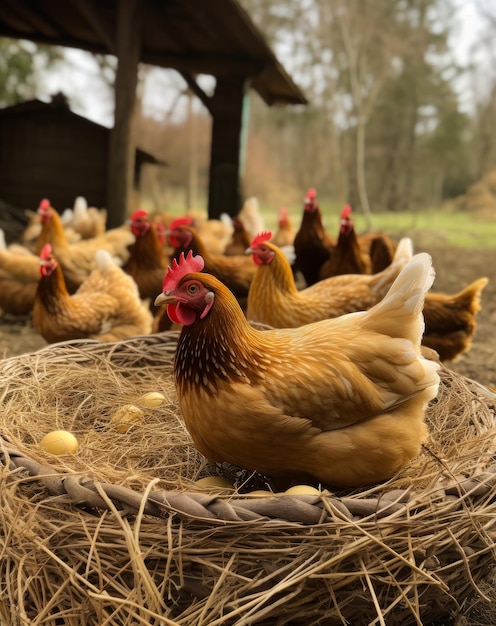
[106, 307]
[78, 259]
[312, 244]
[236, 272]
[147, 261]
[340, 401]
[450, 320]
[357, 254]
[274, 299]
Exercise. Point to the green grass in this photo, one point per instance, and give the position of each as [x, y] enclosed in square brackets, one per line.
[459, 229]
[429, 226]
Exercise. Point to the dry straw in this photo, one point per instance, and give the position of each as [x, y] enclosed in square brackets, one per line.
[119, 534]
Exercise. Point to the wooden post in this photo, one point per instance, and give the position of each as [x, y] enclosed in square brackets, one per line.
[121, 148]
[226, 106]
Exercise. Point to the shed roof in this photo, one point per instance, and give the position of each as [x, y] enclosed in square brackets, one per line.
[214, 37]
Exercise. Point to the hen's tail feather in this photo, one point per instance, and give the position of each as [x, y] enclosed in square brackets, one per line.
[80, 208]
[403, 254]
[103, 260]
[471, 295]
[404, 251]
[399, 313]
[289, 253]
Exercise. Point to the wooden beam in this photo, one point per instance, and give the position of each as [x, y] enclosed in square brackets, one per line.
[87, 10]
[211, 63]
[121, 148]
[197, 90]
[224, 195]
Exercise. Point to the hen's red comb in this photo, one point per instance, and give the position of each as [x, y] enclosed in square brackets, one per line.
[186, 265]
[44, 204]
[139, 214]
[180, 221]
[311, 194]
[265, 235]
[283, 212]
[346, 212]
[46, 252]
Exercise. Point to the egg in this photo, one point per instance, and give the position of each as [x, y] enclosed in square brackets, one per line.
[260, 492]
[60, 442]
[125, 417]
[302, 489]
[152, 398]
[214, 482]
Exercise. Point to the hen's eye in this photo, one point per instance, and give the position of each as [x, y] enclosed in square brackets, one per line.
[192, 288]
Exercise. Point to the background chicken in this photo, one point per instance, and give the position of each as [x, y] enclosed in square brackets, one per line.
[19, 276]
[312, 244]
[87, 222]
[450, 320]
[78, 259]
[240, 239]
[286, 232]
[274, 299]
[147, 261]
[341, 401]
[251, 217]
[215, 234]
[347, 256]
[357, 254]
[106, 307]
[32, 230]
[236, 272]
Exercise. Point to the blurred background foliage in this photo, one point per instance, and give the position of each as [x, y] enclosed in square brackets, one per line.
[399, 119]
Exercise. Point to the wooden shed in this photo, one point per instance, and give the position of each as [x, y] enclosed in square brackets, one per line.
[215, 37]
[47, 150]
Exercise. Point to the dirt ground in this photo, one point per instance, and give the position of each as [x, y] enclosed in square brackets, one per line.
[455, 268]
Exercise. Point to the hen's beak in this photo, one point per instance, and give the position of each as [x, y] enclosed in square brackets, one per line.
[164, 298]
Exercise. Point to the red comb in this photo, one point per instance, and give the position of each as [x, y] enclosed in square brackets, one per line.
[265, 235]
[283, 212]
[46, 252]
[180, 221]
[346, 212]
[178, 270]
[139, 214]
[311, 194]
[44, 204]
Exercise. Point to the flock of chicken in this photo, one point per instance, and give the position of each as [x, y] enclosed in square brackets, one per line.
[301, 356]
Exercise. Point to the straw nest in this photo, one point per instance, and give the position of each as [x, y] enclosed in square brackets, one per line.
[119, 533]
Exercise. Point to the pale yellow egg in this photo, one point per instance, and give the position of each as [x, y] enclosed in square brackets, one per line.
[260, 492]
[60, 442]
[214, 482]
[302, 489]
[125, 417]
[152, 398]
